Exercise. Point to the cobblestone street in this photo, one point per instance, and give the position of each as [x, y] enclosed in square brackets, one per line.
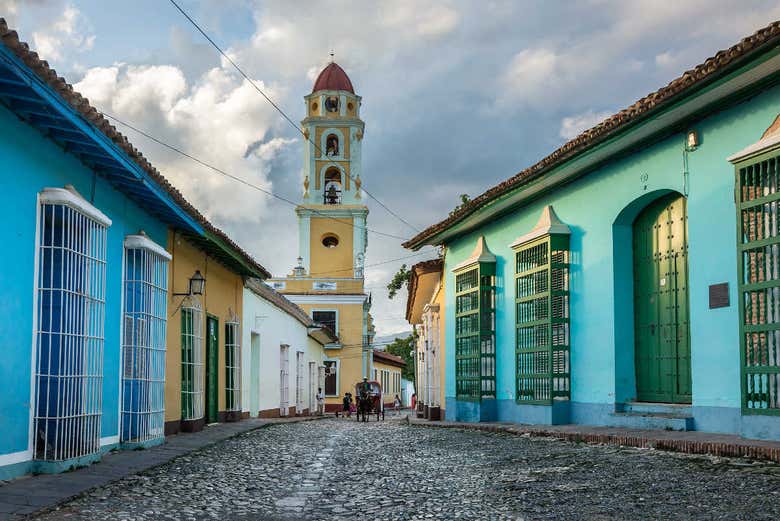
[339, 469]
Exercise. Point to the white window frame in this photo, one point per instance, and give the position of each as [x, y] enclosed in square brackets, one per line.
[338, 377]
[193, 340]
[144, 303]
[284, 379]
[233, 371]
[79, 340]
[336, 311]
[299, 380]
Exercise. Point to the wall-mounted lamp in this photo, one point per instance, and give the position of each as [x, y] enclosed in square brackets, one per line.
[692, 140]
[197, 285]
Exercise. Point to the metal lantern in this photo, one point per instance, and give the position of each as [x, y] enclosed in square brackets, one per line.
[197, 283]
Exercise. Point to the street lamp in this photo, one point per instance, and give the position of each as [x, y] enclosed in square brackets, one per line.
[197, 285]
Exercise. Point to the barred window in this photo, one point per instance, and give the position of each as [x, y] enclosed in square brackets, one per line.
[542, 319]
[192, 405]
[70, 320]
[233, 363]
[143, 347]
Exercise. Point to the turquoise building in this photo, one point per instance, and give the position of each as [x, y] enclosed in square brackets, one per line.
[83, 276]
[632, 277]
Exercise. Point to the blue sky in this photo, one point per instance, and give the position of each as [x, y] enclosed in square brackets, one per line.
[457, 96]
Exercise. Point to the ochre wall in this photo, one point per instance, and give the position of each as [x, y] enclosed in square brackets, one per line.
[331, 262]
[343, 285]
[319, 164]
[442, 354]
[343, 143]
[223, 293]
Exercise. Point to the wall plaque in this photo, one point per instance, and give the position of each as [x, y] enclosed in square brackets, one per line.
[719, 295]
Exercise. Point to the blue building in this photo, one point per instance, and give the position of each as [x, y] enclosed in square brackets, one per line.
[632, 277]
[83, 280]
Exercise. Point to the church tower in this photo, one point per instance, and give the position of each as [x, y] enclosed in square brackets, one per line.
[327, 281]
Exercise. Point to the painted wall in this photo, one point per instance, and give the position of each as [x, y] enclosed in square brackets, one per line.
[223, 294]
[266, 329]
[600, 208]
[33, 163]
[331, 262]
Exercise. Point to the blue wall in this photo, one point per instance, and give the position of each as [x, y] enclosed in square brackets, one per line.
[32, 163]
[599, 208]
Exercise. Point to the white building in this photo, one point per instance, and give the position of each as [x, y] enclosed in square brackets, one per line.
[282, 353]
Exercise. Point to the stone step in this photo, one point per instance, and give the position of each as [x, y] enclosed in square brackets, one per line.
[683, 409]
[661, 421]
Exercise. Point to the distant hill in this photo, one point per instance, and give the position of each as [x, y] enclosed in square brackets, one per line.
[381, 341]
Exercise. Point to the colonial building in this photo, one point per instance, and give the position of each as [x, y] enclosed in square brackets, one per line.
[425, 313]
[282, 353]
[328, 280]
[630, 277]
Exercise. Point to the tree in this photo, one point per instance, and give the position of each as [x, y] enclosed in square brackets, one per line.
[464, 200]
[400, 280]
[403, 347]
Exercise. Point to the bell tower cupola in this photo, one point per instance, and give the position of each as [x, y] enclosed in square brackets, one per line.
[332, 216]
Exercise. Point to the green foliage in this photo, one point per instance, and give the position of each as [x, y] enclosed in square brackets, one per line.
[464, 200]
[403, 347]
[400, 280]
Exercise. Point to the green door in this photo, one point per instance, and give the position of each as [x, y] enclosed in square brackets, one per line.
[662, 351]
[212, 370]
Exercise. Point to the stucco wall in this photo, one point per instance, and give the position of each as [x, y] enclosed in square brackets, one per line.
[267, 328]
[32, 163]
[600, 208]
[223, 293]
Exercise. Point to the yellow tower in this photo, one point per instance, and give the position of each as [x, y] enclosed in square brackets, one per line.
[328, 279]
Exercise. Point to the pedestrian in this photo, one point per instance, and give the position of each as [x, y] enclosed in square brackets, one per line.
[346, 401]
[414, 401]
[320, 402]
[397, 404]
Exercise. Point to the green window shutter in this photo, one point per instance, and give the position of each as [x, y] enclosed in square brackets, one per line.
[475, 325]
[758, 238]
[542, 312]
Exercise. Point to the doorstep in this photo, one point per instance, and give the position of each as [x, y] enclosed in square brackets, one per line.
[28, 495]
[690, 442]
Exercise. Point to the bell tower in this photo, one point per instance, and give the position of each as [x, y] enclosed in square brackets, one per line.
[332, 218]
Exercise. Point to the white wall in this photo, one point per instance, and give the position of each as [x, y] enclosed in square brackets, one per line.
[271, 327]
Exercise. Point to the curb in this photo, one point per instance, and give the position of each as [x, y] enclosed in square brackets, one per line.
[722, 449]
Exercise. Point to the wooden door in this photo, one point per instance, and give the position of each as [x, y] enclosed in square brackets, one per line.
[212, 370]
[661, 326]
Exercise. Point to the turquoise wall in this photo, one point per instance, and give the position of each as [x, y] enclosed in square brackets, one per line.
[599, 209]
[31, 163]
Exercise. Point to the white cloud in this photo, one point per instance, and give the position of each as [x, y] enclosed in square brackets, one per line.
[68, 32]
[218, 118]
[572, 126]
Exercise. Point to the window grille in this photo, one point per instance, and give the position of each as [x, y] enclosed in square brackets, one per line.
[299, 391]
[143, 345]
[475, 347]
[542, 318]
[326, 318]
[192, 404]
[331, 378]
[232, 363]
[70, 293]
[759, 283]
[284, 380]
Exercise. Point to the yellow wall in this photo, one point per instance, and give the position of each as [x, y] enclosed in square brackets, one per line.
[343, 145]
[331, 262]
[442, 354]
[306, 285]
[223, 293]
[318, 171]
[388, 395]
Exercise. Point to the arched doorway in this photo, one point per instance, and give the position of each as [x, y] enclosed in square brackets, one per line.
[662, 354]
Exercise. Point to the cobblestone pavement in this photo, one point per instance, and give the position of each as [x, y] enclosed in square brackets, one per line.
[340, 469]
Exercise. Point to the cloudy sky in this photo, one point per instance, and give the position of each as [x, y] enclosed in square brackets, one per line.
[456, 95]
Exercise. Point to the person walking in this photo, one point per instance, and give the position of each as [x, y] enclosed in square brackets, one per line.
[320, 402]
[397, 405]
[346, 403]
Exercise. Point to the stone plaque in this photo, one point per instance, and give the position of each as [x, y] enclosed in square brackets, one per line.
[719, 295]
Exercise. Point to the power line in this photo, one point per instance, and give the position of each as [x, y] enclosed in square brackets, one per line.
[373, 264]
[240, 180]
[280, 111]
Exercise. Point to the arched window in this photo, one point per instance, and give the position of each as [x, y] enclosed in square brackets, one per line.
[332, 145]
[332, 187]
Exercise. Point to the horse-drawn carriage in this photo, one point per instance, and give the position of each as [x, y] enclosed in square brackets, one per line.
[369, 400]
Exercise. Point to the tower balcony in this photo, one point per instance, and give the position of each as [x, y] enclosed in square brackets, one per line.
[331, 196]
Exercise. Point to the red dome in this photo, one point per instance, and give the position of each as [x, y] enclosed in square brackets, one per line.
[333, 77]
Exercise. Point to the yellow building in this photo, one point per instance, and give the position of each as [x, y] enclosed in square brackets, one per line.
[425, 312]
[328, 280]
[203, 362]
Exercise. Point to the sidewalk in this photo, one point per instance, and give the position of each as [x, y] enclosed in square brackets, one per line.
[691, 442]
[27, 495]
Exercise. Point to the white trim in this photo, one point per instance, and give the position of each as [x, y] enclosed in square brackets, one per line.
[480, 254]
[336, 311]
[548, 224]
[34, 355]
[142, 242]
[762, 145]
[109, 440]
[120, 373]
[338, 377]
[69, 197]
[16, 457]
[326, 299]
